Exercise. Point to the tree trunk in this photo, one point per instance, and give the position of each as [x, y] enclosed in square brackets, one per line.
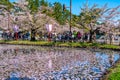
[33, 35]
[111, 38]
[91, 36]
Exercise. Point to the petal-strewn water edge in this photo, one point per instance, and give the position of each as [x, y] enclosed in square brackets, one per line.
[53, 63]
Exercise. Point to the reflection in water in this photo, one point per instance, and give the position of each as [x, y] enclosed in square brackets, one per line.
[44, 63]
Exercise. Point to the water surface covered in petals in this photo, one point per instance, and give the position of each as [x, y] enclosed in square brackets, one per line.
[53, 63]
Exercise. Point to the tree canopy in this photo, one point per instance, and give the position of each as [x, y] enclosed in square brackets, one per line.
[90, 18]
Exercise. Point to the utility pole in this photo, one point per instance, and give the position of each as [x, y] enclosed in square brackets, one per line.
[70, 7]
[70, 14]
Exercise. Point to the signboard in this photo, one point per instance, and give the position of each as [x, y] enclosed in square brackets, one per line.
[49, 27]
[16, 28]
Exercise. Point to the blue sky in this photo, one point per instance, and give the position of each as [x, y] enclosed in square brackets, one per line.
[77, 4]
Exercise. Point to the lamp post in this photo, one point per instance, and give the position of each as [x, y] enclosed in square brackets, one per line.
[64, 7]
[70, 14]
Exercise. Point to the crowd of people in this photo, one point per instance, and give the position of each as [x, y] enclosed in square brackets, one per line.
[10, 35]
[53, 36]
[73, 36]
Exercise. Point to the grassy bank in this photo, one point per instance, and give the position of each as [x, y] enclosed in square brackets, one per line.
[62, 44]
[113, 73]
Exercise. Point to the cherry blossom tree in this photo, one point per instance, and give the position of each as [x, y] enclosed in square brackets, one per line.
[91, 16]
